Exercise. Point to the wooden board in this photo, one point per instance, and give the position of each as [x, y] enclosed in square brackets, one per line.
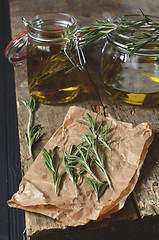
[145, 199]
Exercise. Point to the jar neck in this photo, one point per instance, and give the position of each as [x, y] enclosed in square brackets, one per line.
[120, 41]
[52, 27]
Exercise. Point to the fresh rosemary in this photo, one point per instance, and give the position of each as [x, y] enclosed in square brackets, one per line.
[147, 31]
[70, 168]
[33, 132]
[99, 188]
[49, 162]
[91, 123]
[78, 159]
[97, 137]
[84, 158]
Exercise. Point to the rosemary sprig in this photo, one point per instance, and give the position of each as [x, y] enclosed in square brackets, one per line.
[33, 132]
[70, 168]
[99, 188]
[99, 162]
[148, 28]
[98, 131]
[97, 136]
[82, 158]
[95, 32]
[49, 162]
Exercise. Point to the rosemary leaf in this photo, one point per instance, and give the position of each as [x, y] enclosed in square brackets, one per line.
[85, 123]
[102, 188]
[99, 188]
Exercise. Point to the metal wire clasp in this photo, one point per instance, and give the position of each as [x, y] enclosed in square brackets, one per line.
[25, 22]
[68, 53]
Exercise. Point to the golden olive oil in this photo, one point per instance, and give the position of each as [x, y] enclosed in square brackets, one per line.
[52, 78]
[133, 80]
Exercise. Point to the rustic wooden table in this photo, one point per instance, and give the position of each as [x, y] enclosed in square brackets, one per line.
[145, 198]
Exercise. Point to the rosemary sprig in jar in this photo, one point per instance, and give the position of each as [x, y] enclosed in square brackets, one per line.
[147, 31]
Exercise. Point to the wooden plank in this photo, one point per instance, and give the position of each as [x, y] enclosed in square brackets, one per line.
[4, 225]
[147, 190]
[12, 222]
[92, 94]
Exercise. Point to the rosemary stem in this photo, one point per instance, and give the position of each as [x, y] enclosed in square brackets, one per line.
[74, 184]
[28, 132]
[92, 174]
[102, 167]
[76, 193]
[56, 190]
[88, 167]
[101, 140]
[104, 143]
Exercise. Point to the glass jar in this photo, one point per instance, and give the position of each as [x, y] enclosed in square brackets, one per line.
[132, 78]
[54, 57]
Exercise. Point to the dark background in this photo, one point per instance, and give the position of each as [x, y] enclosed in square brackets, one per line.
[11, 220]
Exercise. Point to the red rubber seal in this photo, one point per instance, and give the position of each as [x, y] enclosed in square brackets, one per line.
[14, 40]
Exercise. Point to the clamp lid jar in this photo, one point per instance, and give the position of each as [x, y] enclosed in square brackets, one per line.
[54, 57]
[131, 78]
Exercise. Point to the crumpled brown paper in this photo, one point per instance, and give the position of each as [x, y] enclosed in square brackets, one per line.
[36, 190]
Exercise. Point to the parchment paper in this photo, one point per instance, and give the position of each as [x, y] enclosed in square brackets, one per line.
[36, 190]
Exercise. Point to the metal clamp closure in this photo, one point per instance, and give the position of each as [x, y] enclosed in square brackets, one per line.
[70, 56]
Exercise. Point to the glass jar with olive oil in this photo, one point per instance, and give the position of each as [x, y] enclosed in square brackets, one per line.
[54, 57]
[132, 78]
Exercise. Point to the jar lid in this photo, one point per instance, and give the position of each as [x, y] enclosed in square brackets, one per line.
[16, 49]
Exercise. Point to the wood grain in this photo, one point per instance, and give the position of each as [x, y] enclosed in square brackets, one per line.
[145, 198]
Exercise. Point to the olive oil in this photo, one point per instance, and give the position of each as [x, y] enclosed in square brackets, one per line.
[52, 78]
[133, 80]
